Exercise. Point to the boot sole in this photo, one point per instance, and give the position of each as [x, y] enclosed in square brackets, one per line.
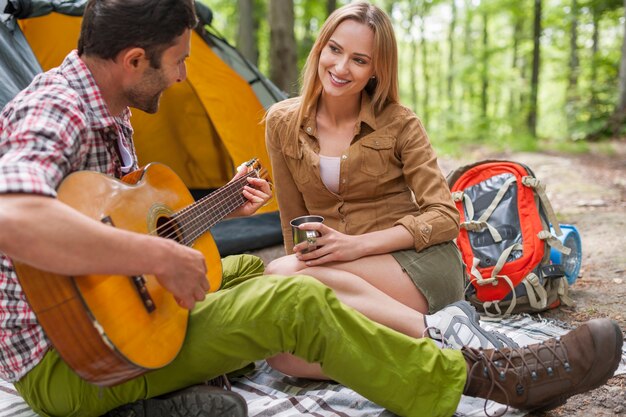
[222, 403]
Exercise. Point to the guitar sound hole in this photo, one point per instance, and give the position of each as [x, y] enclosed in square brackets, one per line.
[168, 228]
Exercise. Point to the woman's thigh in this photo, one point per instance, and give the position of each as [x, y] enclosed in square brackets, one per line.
[425, 281]
[386, 274]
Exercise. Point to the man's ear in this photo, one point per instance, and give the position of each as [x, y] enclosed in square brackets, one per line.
[133, 58]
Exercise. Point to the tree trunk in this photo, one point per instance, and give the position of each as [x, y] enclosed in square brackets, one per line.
[534, 81]
[514, 93]
[573, 57]
[331, 5]
[450, 78]
[247, 32]
[572, 98]
[485, 68]
[413, 69]
[468, 87]
[619, 115]
[425, 72]
[283, 56]
[594, 53]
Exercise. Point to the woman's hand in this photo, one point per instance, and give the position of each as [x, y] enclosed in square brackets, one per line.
[332, 246]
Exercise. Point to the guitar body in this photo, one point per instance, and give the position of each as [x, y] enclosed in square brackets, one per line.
[100, 325]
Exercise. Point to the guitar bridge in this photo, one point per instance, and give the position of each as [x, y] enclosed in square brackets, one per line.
[139, 282]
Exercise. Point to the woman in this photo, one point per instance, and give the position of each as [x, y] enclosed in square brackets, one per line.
[346, 149]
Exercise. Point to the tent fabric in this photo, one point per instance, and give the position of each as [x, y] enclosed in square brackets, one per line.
[32, 8]
[18, 64]
[206, 126]
[266, 92]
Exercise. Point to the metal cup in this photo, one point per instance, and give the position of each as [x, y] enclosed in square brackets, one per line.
[309, 236]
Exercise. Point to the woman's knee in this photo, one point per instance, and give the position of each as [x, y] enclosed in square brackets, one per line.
[285, 265]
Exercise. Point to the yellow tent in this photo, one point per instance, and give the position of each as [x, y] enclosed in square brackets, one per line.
[206, 125]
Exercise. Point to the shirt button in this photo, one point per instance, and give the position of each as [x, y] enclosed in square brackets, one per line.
[344, 157]
[424, 229]
[343, 181]
[309, 130]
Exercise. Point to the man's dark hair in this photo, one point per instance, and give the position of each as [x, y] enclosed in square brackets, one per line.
[110, 26]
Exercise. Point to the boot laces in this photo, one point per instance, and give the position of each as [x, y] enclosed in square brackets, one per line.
[497, 363]
[438, 336]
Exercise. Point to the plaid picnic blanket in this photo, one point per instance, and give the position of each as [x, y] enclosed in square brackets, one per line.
[270, 393]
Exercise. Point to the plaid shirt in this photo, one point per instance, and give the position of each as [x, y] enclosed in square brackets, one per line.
[57, 125]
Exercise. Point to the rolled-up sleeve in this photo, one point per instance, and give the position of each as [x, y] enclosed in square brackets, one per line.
[437, 220]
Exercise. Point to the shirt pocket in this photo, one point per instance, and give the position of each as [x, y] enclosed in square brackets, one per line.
[298, 164]
[376, 153]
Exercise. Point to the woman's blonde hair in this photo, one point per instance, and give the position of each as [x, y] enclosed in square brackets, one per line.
[384, 87]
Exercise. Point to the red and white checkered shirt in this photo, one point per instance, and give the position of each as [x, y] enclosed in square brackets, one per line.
[57, 125]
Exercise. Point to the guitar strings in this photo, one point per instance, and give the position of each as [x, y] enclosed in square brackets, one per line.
[223, 208]
[202, 223]
[214, 200]
[181, 217]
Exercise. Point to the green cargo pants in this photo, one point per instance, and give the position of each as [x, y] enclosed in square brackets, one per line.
[253, 317]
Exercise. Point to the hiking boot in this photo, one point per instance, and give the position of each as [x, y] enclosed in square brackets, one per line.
[457, 325]
[542, 376]
[195, 401]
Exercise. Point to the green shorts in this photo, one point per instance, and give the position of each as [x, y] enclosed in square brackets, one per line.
[436, 271]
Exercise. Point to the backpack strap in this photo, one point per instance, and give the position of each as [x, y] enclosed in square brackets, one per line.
[471, 224]
[550, 239]
[537, 295]
[563, 292]
[503, 257]
[554, 242]
[540, 189]
[480, 223]
[478, 277]
[496, 304]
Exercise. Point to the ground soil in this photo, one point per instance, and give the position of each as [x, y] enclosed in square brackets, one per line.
[588, 191]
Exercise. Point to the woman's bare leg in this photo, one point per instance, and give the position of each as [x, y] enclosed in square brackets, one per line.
[376, 286]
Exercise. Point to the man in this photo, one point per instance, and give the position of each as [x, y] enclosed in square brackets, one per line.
[76, 117]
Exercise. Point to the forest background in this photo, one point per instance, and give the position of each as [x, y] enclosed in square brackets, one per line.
[511, 74]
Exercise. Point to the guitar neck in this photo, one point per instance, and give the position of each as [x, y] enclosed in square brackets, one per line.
[197, 218]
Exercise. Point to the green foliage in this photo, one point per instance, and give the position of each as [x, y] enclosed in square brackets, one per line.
[489, 83]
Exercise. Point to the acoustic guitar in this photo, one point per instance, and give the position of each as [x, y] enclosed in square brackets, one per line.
[110, 329]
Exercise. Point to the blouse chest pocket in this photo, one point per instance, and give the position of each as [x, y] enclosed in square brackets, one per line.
[298, 164]
[376, 153]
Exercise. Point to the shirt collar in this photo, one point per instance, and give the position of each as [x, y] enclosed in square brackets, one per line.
[366, 115]
[82, 81]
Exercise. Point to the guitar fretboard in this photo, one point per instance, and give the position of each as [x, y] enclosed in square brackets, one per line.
[197, 218]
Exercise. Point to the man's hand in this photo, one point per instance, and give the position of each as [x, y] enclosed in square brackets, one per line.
[258, 192]
[184, 275]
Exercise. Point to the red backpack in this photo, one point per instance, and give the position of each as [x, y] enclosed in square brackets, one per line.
[505, 239]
